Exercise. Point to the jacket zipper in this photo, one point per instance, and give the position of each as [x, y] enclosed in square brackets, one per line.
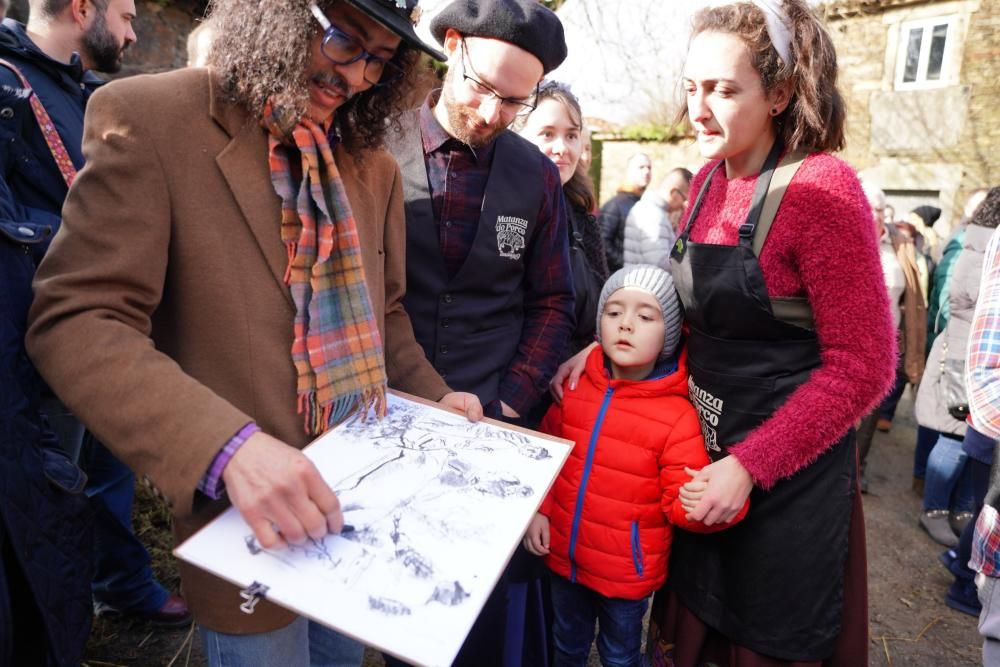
[578, 511]
[637, 559]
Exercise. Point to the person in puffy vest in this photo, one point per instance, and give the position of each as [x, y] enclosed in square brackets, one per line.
[651, 225]
[614, 213]
[606, 526]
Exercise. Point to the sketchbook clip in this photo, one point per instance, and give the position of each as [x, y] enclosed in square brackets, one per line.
[253, 594]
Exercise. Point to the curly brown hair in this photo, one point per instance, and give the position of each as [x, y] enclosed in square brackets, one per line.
[261, 50]
[814, 118]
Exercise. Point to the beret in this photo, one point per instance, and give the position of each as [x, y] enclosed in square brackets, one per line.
[524, 23]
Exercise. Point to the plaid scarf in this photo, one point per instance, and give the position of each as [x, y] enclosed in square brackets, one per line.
[337, 350]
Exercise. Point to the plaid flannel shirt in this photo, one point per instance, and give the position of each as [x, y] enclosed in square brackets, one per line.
[986, 543]
[983, 384]
[983, 362]
[456, 176]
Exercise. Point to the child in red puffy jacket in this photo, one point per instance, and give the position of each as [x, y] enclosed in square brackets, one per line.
[605, 527]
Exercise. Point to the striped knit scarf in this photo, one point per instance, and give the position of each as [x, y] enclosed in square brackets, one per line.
[337, 350]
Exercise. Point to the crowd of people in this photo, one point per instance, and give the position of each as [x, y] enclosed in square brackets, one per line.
[205, 269]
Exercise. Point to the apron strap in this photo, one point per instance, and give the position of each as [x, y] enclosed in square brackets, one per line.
[697, 205]
[760, 194]
[792, 309]
[775, 191]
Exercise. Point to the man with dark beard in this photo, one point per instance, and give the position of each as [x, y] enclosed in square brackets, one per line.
[489, 281]
[227, 284]
[57, 53]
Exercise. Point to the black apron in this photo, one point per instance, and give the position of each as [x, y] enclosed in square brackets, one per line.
[774, 582]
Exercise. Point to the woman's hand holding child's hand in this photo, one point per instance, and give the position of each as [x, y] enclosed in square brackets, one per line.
[727, 487]
[692, 492]
[536, 539]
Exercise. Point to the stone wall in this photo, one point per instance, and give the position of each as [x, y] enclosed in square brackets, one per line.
[162, 29]
[944, 139]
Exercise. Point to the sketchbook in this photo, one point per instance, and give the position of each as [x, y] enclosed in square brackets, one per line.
[436, 506]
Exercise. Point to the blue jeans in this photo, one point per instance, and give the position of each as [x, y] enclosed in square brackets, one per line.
[979, 472]
[122, 576]
[575, 610]
[926, 437]
[304, 643]
[947, 485]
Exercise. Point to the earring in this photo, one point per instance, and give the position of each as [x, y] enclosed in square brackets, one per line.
[774, 111]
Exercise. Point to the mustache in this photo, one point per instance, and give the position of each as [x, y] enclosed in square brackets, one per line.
[332, 80]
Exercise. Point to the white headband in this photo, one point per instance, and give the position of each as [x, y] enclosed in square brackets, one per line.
[776, 22]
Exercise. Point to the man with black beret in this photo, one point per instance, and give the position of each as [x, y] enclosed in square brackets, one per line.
[489, 284]
[489, 287]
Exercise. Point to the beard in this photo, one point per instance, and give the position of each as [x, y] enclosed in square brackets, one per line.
[101, 47]
[464, 119]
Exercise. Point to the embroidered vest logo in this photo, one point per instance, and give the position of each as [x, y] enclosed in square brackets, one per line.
[511, 231]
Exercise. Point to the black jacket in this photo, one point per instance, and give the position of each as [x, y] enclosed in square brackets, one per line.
[612, 218]
[590, 272]
[45, 523]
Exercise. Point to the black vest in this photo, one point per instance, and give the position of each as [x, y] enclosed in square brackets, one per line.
[470, 325]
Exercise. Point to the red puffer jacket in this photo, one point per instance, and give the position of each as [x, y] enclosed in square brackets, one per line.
[613, 507]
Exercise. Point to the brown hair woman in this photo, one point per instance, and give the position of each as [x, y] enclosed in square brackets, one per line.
[790, 342]
[556, 127]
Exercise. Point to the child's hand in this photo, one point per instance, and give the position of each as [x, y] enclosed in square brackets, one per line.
[692, 492]
[536, 540]
[728, 487]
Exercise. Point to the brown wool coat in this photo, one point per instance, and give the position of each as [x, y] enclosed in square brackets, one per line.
[160, 316]
[914, 326]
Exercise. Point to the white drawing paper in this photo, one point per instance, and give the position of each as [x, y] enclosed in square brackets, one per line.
[437, 506]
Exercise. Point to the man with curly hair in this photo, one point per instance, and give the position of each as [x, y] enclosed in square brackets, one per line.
[228, 281]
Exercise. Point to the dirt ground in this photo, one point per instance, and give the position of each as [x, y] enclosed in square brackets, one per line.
[910, 625]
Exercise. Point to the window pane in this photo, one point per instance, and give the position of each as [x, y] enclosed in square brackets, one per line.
[938, 37]
[912, 55]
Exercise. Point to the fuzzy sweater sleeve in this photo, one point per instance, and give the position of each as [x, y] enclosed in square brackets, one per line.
[824, 244]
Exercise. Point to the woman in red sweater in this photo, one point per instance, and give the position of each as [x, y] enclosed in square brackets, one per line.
[790, 343]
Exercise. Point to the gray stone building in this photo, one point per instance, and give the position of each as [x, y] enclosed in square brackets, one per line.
[921, 80]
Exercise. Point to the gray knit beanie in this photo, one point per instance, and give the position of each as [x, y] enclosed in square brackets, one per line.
[657, 282]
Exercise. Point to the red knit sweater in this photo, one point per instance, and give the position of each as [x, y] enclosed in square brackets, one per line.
[823, 246]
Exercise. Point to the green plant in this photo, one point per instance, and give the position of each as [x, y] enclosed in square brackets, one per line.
[649, 132]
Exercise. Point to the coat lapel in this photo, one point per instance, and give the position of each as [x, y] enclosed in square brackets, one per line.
[243, 163]
[361, 199]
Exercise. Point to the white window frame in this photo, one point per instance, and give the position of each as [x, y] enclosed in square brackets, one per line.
[927, 26]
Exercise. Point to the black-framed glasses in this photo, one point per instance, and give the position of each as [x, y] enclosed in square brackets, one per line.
[515, 106]
[341, 48]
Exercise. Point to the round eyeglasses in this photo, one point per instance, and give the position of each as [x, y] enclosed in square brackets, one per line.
[510, 106]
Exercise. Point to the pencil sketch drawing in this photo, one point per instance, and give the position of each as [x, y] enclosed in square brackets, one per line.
[435, 506]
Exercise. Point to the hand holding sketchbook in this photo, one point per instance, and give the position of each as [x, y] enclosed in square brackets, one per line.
[436, 506]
